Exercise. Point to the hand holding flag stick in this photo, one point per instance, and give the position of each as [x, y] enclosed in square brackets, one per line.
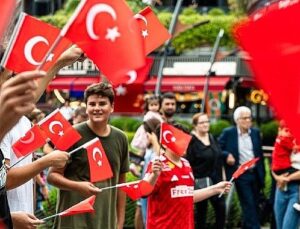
[241, 170]
[85, 206]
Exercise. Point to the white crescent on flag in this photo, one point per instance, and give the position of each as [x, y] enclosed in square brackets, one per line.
[27, 139]
[171, 138]
[141, 17]
[29, 46]
[54, 123]
[132, 75]
[96, 150]
[91, 15]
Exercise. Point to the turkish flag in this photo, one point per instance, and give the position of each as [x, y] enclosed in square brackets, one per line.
[7, 9]
[85, 206]
[153, 32]
[136, 190]
[33, 139]
[174, 139]
[30, 43]
[244, 167]
[59, 130]
[272, 41]
[107, 32]
[99, 165]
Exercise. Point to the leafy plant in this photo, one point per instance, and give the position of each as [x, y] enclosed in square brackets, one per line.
[269, 132]
[217, 127]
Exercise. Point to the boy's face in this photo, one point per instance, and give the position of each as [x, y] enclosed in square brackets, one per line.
[98, 109]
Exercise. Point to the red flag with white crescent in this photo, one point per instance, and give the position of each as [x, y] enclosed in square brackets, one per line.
[30, 42]
[136, 190]
[174, 139]
[99, 165]
[33, 139]
[244, 167]
[109, 35]
[85, 206]
[153, 32]
[59, 130]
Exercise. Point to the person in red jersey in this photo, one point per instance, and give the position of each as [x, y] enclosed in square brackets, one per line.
[170, 204]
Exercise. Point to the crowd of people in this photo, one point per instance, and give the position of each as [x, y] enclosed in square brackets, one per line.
[180, 182]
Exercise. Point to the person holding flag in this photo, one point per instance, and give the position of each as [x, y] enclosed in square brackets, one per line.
[240, 144]
[170, 205]
[74, 180]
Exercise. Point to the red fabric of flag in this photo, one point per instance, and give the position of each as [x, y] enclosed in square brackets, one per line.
[174, 139]
[99, 165]
[30, 43]
[272, 41]
[33, 139]
[107, 32]
[136, 190]
[85, 206]
[7, 9]
[153, 32]
[244, 167]
[59, 130]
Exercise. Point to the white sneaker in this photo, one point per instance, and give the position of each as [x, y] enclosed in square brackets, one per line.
[296, 206]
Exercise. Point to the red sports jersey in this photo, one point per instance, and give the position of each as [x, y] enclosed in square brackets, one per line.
[171, 203]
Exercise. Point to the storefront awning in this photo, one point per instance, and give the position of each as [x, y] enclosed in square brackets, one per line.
[72, 83]
[186, 84]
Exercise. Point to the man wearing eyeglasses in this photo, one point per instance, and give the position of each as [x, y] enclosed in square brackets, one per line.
[239, 144]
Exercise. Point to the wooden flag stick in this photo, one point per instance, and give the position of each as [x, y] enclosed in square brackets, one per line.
[120, 185]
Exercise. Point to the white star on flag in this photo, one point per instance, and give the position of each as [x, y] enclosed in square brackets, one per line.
[145, 33]
[61, 133]
[50, 57]
[112, 34]
[120, 90]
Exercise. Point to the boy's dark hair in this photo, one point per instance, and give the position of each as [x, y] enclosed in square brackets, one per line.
[151, 125]
[103, 89]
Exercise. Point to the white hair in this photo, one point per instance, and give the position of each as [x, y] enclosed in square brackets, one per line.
[238, 111]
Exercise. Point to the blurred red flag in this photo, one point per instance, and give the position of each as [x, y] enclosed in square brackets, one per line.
[272, 40]
[136, 190]
[85, 206]
[174, 139]
[7, 9]
[244, 167]
[107, 32]
[59, 130]
[153, 32]
[99, 165]
[33, 139]
[30, 43]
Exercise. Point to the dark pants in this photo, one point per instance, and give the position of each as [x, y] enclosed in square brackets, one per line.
[201, 212]
[248, 192]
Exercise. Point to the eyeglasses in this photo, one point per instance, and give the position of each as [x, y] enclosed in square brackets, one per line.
[245, 118]
[203, 122]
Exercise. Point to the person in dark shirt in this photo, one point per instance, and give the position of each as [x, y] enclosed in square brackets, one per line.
[205, 157]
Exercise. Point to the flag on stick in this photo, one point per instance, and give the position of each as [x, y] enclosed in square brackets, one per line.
[29, 44]
[59, 130]
[33, 139]
[85, 206]
[137, 190]
[107, 32]
[99, 165]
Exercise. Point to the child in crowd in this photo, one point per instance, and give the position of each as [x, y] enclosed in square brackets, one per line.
[285, 158]
[173, 182]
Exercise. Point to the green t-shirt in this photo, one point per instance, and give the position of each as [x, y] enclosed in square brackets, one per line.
[105, 217]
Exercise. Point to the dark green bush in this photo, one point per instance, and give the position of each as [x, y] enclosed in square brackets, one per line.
[269, 132]
[126, 123]
[216, 12]
[217, 127]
